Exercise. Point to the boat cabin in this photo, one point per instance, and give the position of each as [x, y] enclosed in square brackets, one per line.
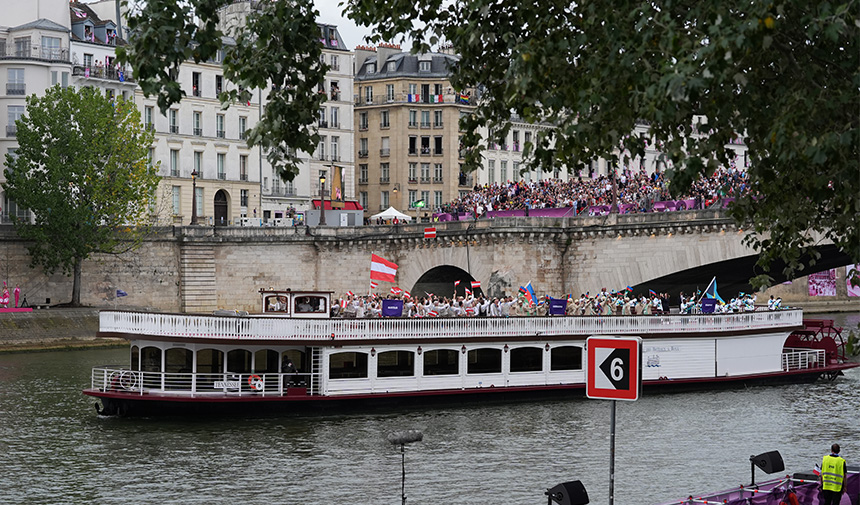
[297, 304]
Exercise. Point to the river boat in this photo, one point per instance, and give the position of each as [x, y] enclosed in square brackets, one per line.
[292, 356]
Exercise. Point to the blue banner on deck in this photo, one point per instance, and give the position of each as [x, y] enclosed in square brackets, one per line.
[557, 307]
[708, 305]
[392, 308]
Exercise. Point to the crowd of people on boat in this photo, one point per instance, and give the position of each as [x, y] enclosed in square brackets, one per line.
[603, 303]
[636, 191]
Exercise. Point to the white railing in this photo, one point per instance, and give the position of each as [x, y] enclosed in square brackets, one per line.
[251, 327]
[801, 359]
[122, 380]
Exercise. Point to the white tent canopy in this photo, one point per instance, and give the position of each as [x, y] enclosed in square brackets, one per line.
[391, 213]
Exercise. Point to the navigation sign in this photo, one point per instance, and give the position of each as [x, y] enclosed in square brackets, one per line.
[614, 368]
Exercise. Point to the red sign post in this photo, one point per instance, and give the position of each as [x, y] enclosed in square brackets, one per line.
[613, 372]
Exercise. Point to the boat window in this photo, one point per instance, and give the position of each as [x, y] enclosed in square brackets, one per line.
[150, 359]
[485, 361]
[566, 357]
[310, 305]
[347, 365]
[395, 364]
[276, 303]
[178, 360]
[210, 361]
[441, 362]
[527, 359]
[239, 360]
[297, 357]
[135, 358]
[266, 361]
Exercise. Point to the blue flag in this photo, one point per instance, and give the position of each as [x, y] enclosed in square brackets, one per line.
[711, 291]
[530, 293]
[120, 293]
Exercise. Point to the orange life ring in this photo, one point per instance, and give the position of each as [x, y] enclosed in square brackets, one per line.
[256, 382]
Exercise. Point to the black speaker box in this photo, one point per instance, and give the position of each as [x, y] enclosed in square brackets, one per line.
[769, 462]
[569, 493]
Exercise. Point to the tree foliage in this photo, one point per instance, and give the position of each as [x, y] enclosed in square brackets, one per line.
[278, 52]
[783, 75]
[81, 168]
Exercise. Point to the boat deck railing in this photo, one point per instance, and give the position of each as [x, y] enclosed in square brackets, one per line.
[801, 359]
[124, 380]
[281, 328]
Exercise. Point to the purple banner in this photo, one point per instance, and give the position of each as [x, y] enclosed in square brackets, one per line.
[557, 307]
[392, 308]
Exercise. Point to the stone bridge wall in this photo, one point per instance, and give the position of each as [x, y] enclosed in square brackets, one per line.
[203, 268]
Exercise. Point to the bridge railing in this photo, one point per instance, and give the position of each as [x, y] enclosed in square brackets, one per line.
[113, 322]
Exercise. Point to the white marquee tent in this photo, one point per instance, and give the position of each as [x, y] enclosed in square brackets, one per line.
[391, 213]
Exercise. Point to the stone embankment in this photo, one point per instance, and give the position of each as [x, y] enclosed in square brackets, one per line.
[50, 329]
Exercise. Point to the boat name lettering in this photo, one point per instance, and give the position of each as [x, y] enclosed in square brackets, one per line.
[226, 384]
[668, 348]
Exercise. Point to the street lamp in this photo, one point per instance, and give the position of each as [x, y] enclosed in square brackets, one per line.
[194, 175]
[322, 198]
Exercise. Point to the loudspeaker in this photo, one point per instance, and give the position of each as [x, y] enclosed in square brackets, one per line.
[568, 493]
[769, 462]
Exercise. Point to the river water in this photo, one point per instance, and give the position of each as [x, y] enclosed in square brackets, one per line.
[54, 449]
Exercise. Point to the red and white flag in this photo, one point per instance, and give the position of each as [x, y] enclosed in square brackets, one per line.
[373, 284]
[430, 232]
[381, 269]
[468, 292]
[396, 291]
[456, 283]
[406, 294]
[432, 313]
[342, 303]
[470, 311]
[349, 293]
[476, 284]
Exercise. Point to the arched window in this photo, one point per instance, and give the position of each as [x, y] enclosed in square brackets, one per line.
[347, 365]
[177, 365]
[527, 359]
[150, 359]
[441, 362]
[266, 361]
[395, 364]
[485, 361]
[239, 361]
[567, 357]
[135, 357]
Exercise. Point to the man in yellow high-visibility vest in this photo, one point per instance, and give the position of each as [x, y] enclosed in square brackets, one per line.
[832, 477]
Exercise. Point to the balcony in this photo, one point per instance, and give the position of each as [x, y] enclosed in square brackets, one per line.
[335, 95]
[322, 124]
[425, 150]
[335, 157]
[11, 130]
[222, 176]
[425, 124]
[438, 125]
[220, 134]
[16, 88]
[362, 180]
[321, 157]
[198, 132]
[110, 74]
[384, 180]
[334, 124]
[413, 152]
[413, 124]
[35, 53]
[362, 127]
[243, 177]
[437, 180]
[385, 152]
[437, 152]
[196, 92]
[413, 180]
[174, 128]
[384, 125]
[243, 135]
[362, 154]
[425, 179]
[149, 127]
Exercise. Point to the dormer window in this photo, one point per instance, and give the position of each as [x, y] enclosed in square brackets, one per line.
[371, 68]
[391, 66]
[424, 66]
[111, 37]
[88, 34]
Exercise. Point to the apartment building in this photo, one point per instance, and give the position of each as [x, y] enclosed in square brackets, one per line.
[407, 130]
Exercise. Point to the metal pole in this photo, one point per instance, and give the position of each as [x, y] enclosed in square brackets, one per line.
[612, 456]
[193, 199]
[403, 470]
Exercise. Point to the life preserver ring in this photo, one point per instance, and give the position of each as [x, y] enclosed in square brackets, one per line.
[256, 382]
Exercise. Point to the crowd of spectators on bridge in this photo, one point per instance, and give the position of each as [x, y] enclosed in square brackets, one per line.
[636, 192]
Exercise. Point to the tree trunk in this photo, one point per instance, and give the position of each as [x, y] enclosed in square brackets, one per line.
[76, 284]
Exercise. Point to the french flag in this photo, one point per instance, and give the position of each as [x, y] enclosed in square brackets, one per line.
[381, 269]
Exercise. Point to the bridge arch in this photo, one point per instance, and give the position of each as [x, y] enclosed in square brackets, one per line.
[440, 281]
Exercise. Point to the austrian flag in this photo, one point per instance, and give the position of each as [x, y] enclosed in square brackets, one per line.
[373, 284]
[476, 284]
[381, 269]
